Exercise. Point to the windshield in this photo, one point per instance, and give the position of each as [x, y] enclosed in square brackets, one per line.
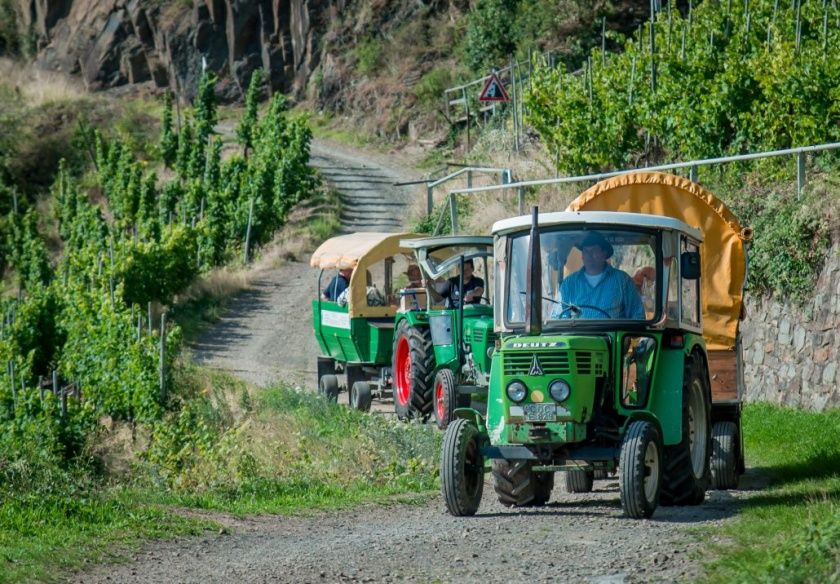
[591, 274]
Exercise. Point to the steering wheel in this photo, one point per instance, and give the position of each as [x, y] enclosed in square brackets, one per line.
[572, 308]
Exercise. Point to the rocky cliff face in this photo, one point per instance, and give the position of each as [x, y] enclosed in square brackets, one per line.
[117, 42]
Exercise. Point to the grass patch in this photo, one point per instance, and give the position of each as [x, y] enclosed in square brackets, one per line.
[40, 539]
[284, 450]
[790, 532]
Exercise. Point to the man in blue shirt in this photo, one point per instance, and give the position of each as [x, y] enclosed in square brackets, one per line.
[598, 289]
[338, 284]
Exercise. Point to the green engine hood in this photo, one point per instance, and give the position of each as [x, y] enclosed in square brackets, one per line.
[536, 362]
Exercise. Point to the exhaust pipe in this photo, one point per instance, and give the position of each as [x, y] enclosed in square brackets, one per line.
[533, 292]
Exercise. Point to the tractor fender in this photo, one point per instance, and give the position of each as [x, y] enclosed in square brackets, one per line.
[473, 416]
[642, 416]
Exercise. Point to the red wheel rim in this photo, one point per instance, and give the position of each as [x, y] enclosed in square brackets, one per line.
[402, 375]
[439, 405]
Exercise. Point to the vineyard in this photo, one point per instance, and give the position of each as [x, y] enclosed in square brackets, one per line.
[81, 341]
[718, 79]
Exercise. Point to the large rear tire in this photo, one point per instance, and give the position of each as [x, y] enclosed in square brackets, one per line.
[413, 370]
[686, 475]
[579, 481]
[517, 485]
[640, 470]
[461, 469]
[725, 452]
[446, 399]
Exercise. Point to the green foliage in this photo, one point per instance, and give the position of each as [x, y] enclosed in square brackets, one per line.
[737, 94]
[489, 40]
[431, 86]
[729, 92]
[368, 55]
[168, 140]
[247, 125]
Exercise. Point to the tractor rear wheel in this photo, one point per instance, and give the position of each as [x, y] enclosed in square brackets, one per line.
[413, 370]
[328, 387]
[446, 398]
[461, 468]
[686, 475]
[360, 396]
[517, 485]
[724, 455]
[579, 481]
[640, 470]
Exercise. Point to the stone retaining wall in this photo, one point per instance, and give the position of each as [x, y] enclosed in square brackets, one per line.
[792, 353]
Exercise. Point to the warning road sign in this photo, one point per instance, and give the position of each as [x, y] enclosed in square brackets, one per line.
[493, 90]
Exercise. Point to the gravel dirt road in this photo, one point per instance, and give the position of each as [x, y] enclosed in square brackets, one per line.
[575, 538]
[266, 336]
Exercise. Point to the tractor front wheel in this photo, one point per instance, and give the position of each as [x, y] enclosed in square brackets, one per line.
[446, 398]
[517, 485]
[413, 370]
[640, 470]
[687, 473]
[328, 387]
[462, 468]
[579, 481]
[360, 396]
[724, 455]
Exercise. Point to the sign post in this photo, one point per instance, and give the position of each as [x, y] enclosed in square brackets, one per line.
[493, 90]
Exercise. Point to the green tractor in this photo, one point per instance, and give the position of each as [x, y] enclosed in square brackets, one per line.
[602, 366]
[442, 346]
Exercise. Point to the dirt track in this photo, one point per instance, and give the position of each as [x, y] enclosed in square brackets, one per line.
[266, 335]
[576, 538]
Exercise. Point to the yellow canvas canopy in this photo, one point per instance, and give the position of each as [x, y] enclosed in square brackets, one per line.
[360, 251]
[723, 261]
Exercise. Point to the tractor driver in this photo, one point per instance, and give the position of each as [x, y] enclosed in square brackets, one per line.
[473, 287]
[600, 290]
[338, 284]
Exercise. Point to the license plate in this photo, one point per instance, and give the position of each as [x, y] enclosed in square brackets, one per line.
[540, 412]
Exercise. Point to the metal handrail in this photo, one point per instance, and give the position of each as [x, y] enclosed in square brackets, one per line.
[693, 165]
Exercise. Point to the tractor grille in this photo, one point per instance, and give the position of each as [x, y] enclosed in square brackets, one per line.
[583, 362]
[479, 336]
[553, 363]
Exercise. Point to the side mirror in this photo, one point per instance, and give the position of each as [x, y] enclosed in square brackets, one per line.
[690, 265]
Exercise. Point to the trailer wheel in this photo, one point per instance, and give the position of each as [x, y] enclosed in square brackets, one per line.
[461, 469]
[579, 481]
[640, 470]
[324, 366]
[446, 398]
[328, 387]
[686, 473]
[360, 396]
[517, 485]
[413, 369]
[600, 474]
[725, 455]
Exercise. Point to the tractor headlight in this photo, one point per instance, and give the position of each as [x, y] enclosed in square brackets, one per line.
[516, 391]
[559, 390]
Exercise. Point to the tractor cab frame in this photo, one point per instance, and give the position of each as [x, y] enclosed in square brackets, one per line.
[442, 345]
